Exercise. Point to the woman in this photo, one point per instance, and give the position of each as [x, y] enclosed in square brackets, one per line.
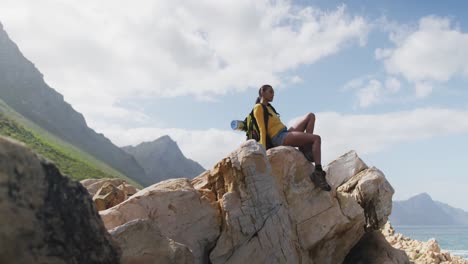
[299, 135]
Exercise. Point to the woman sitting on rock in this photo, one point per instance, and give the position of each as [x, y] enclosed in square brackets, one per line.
[299, 135]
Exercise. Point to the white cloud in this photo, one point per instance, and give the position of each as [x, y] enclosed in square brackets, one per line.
[371, 94]
[435, 52]
[382, 53]
[423, 89]
[397, 31]
[171, 48]
[296, 79]
[371, 91]
[355, 83]
[392, 85]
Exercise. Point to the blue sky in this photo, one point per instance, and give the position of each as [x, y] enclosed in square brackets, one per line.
[385, 78]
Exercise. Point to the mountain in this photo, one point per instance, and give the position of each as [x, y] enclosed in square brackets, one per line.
[422, 210]
[22, 87]
[70, 161]
[460, 215]
[162, 159]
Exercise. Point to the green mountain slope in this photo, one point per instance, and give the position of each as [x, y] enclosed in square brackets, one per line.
[70, 160]
[23, 88]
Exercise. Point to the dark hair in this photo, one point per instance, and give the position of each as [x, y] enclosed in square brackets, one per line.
[261, 90]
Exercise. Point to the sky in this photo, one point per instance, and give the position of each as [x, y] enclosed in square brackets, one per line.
[387, 79]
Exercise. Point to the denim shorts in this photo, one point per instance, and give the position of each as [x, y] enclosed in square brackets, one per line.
[278, 139]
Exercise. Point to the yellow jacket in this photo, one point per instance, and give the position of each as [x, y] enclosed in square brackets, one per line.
[274, 123]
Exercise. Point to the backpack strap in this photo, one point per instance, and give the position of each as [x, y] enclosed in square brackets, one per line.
[274, 110]
[266, 116]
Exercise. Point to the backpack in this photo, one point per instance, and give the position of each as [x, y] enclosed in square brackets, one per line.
[251, 126]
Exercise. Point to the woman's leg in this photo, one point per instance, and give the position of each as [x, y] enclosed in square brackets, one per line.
[306, 123]
[295, 139]
[298, 139]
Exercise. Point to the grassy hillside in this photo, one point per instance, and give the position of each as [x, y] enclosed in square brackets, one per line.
[70, 160]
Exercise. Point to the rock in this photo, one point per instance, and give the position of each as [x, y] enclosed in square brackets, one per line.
[261, 207]
[418, 251]
[431, 245]
[374, 193]
[309, 224]
[256, 225]
[343, 168]
[329, 224]
[108, 196]
[373, 248]
[177, 209]
[128, 189]
[46, 217]
[108, 192]
[142, 242]
[93, 185]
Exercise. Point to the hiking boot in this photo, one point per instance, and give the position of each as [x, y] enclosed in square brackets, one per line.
[318, 178]
[307, 151]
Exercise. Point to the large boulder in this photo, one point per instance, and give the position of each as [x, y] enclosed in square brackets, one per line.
[329, 224]
[262, 208]
[177, 209]
[46, 217]
[108, 192]
[256, 226]
[93, 185]
[373, 193]
[142, 243]
[108, 196]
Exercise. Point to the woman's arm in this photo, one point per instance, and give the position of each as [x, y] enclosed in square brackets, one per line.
[260, 117]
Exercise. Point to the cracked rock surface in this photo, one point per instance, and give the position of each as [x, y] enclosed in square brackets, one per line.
[261, 207]
[143, 243]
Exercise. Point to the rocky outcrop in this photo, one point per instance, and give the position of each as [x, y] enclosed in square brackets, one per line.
[253, 207]
[255, 221]
[143, 243]
[108, 196]
[46, 217]
[418, 251]
[93, 185]
[181, 212]
[258, 207]
[108, 192]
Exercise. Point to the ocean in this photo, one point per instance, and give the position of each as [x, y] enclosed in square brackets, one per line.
[450, 238]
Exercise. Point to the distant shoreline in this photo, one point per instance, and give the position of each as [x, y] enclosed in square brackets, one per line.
[451, 238]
